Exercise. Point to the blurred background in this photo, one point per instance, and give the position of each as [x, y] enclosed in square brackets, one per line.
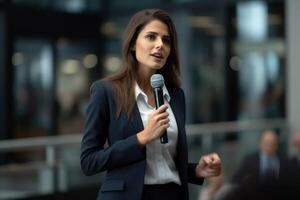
[239, 62]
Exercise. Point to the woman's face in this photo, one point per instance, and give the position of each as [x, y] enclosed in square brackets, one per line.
[152, 46]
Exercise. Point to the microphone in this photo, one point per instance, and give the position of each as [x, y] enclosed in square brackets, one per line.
[157, 83]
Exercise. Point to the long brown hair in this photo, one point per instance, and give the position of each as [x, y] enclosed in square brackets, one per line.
[124, 81]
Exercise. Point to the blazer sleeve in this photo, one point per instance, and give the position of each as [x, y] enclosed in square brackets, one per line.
[192, 175]
[94, 156]
[192, 178]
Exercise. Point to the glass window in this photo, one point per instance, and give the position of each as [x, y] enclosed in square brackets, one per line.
[32, 92]
[116, 4]
[259, 49]
[72, 6]
[77, 67]
[51, 92]
[201, 47]
[113, 30]
[33, 64]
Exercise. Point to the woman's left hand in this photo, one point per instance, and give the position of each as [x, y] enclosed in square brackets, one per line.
[209, 165]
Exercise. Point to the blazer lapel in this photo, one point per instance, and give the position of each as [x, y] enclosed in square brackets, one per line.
[181, 155]
[178, 110]
[175, 105]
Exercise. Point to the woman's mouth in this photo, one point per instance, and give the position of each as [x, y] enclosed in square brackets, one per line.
[157, 55]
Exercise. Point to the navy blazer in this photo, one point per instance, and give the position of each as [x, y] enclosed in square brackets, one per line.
[122, 157]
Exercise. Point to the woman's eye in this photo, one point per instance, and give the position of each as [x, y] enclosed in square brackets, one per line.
[150, 37]
[167, 41]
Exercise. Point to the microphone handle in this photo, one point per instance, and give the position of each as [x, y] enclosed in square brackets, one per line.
[159, 101]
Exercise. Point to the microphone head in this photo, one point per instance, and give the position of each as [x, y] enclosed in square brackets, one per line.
[157, 80]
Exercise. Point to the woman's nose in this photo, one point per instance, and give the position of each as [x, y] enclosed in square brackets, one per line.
[159, 43]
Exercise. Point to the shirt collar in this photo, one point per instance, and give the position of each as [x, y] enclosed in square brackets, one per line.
[139, 92]
[264, 156]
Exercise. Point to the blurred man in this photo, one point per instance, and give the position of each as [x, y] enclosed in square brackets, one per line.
[261, 166]
[262, 175]
[296, 146]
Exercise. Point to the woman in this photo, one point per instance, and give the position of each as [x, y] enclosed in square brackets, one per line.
[122, 113]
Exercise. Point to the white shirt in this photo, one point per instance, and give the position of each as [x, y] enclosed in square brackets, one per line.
[160, 165]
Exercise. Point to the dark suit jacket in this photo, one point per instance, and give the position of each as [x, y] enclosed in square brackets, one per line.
[249, 171]
[294, 173]
[123, 159]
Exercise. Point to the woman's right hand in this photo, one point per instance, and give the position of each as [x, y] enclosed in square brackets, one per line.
[157, 124]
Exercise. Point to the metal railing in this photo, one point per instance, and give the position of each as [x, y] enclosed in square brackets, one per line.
[50, 142]
[209, 129]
